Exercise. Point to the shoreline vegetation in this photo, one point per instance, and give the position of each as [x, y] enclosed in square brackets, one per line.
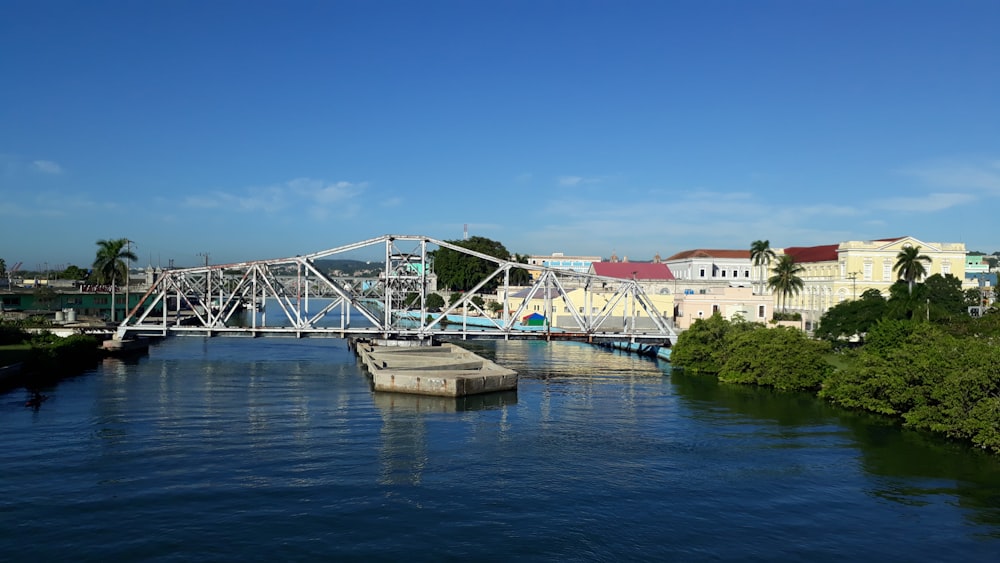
[44, 358]
[940, 377]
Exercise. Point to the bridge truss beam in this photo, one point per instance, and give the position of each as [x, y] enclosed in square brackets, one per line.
[213, 300]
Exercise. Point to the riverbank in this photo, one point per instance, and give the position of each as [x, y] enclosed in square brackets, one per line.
[917, 373]
[42, 358]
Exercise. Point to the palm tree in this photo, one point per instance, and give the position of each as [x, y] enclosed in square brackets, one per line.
[109, 266]
[761, 255]
[786, 280]
[909, 265]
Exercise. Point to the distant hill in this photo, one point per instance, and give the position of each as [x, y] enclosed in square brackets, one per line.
[349, 267]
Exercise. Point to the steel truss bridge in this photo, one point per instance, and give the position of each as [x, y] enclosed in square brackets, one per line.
[294, 297]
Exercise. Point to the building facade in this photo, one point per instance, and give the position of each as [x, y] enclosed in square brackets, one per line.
[838, 272]
[712, 267]
[730, 302]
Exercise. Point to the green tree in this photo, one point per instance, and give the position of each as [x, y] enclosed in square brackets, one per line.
[520, 276]
[73, 273]
[782, 357]
[412, 299]
[761, 255]
[931, 380]
[947, 300]
[110, 265]
[3, 267]
[973, 297]
[495, 307]
[910, 265]
[435, 301]
[702, 347]
[852, 317]
[458, 271]
[786, 280]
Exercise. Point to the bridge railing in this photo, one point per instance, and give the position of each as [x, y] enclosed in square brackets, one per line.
[294, 296]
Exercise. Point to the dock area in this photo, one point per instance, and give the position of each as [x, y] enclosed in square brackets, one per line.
[444, 370]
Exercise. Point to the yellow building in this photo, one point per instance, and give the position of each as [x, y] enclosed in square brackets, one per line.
[558, 310]
[837, 272]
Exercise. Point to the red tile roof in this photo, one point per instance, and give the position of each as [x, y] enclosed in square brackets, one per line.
[710, 253]
[641, 270]
[824, 253]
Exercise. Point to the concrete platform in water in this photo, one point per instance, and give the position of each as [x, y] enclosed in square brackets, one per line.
[445, 371]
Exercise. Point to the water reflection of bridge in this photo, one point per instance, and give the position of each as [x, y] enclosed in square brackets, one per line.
[293, 297]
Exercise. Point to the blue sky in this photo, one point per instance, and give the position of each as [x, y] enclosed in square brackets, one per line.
[268, 129]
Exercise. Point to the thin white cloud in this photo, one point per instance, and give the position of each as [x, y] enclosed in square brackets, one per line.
[959, 174]
[55, 204]
[47, 167]
[570, 181]
[322, 199]
[925, 203]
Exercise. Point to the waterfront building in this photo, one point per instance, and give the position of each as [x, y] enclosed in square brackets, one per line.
[704, 268]
[580, 264]
[556, 310]
[87, 301]
[837, 272]
[730, 302]
[655, 277]
[976, 264]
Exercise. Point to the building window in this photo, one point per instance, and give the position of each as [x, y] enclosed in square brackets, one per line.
[886, 270]
[868, 270]
[715, 309]
[945, 267]
[723, 273]
[702, 272]
[760, 311]
[843, 269]
[736, 274]
[746, 273]
[100, 301]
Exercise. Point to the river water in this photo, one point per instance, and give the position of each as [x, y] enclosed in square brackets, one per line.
[271, 449]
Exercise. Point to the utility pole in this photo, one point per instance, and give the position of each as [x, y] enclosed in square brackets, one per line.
[128, 272]
[853, 276]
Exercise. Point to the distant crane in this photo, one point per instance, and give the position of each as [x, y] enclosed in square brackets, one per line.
[10, 274]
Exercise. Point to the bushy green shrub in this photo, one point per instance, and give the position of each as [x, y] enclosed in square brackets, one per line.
[63, 355]
[783, 358]
[11, 333]
[702, 348]
[929, 379]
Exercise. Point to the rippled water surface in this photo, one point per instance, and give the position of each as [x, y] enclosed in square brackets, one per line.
[272, 449]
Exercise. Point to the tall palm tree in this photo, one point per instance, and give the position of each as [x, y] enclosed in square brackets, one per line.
[786, 280]
[910, 265]
[761, 255]
[110, 266]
